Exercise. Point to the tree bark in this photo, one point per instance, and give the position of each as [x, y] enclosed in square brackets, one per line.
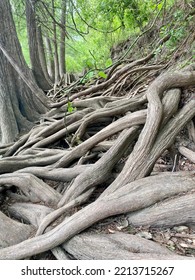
[62, 39]
[33, 46]
[19, 105]
[50, 58]
[42, 55]
[56, 57]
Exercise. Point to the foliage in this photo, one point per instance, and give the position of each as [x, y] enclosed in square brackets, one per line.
[94, 26]
[70, 107]
[102, 74]
[18, 12]
[176, 32]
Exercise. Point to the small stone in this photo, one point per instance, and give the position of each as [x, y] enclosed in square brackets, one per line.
[144, 234]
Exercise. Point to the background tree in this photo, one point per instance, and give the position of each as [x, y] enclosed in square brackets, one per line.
[33, 32]
[22, 101]
[63, 38]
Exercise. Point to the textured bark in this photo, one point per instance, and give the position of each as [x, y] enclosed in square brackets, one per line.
[146, 150]
[19, 106]
[187, 153]
[29, 213]
[130, 120]
[50, 59]
[170, 213]
[62, 57]
[116, 246]
[131, 197]
[101, 170]
[42, 54]
[32, 187]
[13, 232]
[33, 46]
[55, 44]
[37, 158]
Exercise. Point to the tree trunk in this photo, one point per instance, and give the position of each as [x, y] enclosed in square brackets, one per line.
[19, 106]
[42, 55]
[33, 46]
[50, 58]
[56, 57]
[62, 39]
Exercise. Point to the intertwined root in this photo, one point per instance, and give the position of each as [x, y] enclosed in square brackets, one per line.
[49, 173]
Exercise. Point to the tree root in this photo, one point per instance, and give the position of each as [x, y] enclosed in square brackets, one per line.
[13, 232]
[132, 197]
[118, 246]
[101, 156]
[32, 187]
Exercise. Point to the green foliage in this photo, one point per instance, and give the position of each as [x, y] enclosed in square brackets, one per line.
[106, 23]
[24, 44]
[18, 11]
[87, 77]
[108, 62]
[176, 31]
[102, 74]
[91, 53]
[70, 107]
[94, 26]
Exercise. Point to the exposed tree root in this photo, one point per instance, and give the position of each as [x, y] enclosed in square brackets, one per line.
[132, 197]
[187, 153]
[32, 187]
[31, 158]
[75, 169]
[30, 213]
[118, 246]
[122, 123]
[13, 232]
[164, 214]
[101, 170]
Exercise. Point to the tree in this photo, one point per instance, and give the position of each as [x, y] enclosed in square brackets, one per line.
[62, 61]
[33, 34]
[21, 100]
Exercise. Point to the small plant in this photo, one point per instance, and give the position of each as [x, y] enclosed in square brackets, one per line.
[102, 74]
[87, 77]
[70, 107]
[158, 50]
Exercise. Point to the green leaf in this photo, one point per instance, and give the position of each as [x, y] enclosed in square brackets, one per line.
[70, 108]
[160, 6]
[102, 74]
[108, 62]
[90, 63]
